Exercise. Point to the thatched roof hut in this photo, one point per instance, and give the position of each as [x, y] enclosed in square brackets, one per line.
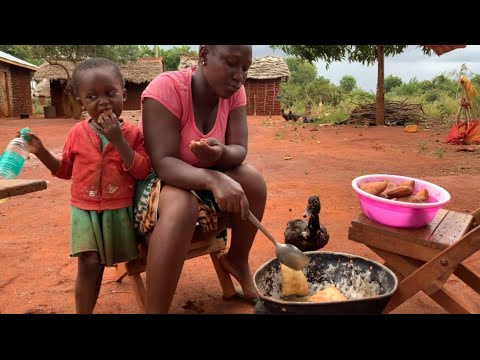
[262, 85]
[53, 72]
[268, 67]
[143, 70]
[137, 75]
[187, 61]
[137, 72]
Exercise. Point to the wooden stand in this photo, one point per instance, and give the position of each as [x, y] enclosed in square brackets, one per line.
[423, 259]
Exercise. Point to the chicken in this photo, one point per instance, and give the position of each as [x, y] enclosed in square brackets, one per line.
[285, 115]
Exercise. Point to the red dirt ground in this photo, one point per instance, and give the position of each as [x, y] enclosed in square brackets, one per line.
[37, 275]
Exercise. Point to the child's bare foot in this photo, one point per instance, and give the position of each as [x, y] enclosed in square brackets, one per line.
[241, 273]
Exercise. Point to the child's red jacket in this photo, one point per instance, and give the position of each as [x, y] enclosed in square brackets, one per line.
[100, 180]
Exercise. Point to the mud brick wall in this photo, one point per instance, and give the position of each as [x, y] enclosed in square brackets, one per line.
[21, 92]
[134, 92]
[4, 68]
[262, 96]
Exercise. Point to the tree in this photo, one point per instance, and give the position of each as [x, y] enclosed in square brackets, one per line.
[348, 83]
[366, 54]
[301, 71]
[392, 82]
[171, 57]
[21, 52]
[54, 54]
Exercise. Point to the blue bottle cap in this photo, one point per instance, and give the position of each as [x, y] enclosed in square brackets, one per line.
[23, 134]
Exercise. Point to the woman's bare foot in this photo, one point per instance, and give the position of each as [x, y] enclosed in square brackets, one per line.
[241, 274]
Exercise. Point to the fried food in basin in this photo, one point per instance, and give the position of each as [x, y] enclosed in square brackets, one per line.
[374, 188]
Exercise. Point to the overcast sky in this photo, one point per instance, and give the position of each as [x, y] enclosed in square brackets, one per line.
[411, 63]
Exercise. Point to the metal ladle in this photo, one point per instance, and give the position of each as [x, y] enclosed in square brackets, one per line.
[289, 255]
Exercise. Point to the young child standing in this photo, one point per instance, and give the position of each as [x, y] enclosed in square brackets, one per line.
[104, 156]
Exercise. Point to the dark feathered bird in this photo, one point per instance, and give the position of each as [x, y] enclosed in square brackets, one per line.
[285, 115]
[308, 235]
[293, 116]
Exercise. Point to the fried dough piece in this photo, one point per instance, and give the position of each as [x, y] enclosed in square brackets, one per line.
[405, 198]
[420, 197]
[374, 188]
[400, 191]
[410, 183]
[293, 282]
[104, 113]
[329, 294]
[390, 186]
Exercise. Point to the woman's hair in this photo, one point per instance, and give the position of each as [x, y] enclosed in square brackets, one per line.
[91, 64]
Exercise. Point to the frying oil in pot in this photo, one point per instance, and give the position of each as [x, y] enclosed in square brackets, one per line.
[354, 283]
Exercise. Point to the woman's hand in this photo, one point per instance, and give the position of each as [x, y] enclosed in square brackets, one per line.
[108, 126]
[209, 150]
[230, 196]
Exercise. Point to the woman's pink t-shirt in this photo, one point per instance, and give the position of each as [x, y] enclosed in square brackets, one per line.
[173, 90]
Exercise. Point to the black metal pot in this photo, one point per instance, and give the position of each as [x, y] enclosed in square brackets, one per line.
[367, 284]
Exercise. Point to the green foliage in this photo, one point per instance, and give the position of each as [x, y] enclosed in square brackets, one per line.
[21, 52]
[442, 108]
[37, 107]
[439, 97]
[320, 90]
[392, 82]
[348, 83]
[171, 57]
[38, 54]
[77, 53]
[366, 54]
[333, 117]
[289, 94]
[329, 53]
[361, 97]
[301, 71]
[440, 152]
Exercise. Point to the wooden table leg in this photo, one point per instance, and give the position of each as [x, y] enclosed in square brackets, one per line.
[443, 297]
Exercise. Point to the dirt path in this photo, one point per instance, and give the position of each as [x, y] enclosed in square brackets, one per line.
[37, 275]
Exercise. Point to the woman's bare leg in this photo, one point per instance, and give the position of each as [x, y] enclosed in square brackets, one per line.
[88, 282]
[168, 246]
[235, 261]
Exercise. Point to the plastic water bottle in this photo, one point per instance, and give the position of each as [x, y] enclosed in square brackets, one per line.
[14, 156]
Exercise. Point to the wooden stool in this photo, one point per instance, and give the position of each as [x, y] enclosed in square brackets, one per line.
[424, 258]
[202, 244]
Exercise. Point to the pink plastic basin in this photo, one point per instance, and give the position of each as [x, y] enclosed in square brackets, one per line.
[397, 213]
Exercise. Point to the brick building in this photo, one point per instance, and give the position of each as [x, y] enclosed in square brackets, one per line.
[15, 89]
